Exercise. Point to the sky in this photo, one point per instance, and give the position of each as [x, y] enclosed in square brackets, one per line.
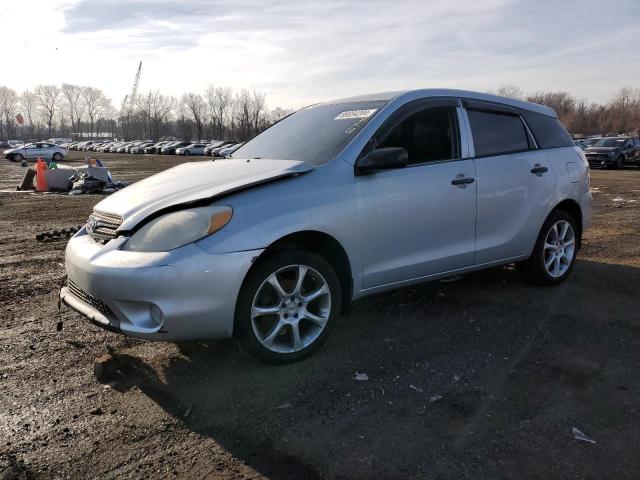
[301, 52]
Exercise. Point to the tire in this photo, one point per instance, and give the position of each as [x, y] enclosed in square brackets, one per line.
[542, 268]
[269, 335]
[57, 157]
[187, 153]
[620, 163]
[17, 157]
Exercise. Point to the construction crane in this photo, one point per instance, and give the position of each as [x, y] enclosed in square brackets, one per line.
[129, 101]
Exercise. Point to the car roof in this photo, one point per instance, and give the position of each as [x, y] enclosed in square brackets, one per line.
[447, 92]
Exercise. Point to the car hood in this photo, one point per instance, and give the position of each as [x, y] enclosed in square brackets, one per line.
[191, 182]
[601, 149]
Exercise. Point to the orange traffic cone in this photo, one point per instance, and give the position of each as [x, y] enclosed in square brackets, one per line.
[41, 180]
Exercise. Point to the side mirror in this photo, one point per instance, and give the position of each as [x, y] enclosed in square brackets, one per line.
[382, 159]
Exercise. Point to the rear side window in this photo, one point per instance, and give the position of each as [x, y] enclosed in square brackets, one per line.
[496, 133]
[548, 131]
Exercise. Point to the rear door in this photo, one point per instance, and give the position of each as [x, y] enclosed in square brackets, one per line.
[514, 180]
[419, 220]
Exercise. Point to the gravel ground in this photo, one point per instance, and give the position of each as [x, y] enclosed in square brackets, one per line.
[480, 377]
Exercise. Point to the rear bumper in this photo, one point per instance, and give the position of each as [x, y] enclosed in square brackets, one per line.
[184, 294]
[586, 207]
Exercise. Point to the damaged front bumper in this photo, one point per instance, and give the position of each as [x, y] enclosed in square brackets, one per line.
[183, 294]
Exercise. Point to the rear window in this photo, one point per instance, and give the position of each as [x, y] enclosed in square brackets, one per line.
[548, 131]
[497, 133]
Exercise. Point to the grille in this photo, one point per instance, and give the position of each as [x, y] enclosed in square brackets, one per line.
[102, 227]
[89, 299]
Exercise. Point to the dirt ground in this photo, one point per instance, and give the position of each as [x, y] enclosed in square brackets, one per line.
[481, 377]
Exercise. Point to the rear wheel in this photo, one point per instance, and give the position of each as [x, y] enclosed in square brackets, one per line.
[57, 157]
[555, 251]
[287, 306]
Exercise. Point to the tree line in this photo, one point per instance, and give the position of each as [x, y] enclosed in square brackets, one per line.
[222, 113]
[620, 115]
[86, 112]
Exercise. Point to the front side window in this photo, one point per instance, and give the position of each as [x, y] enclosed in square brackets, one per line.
[429, 135]
[496, 133]
[314, 134]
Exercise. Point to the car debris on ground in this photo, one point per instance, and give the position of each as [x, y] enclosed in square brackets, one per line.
[578, 435]
[48, 176]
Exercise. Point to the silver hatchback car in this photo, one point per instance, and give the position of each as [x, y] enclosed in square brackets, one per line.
[336, 201]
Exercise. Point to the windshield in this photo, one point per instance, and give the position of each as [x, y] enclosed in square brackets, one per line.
[610, 142]
[314, 134]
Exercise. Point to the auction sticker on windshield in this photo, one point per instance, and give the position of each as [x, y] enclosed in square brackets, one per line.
[356, 114]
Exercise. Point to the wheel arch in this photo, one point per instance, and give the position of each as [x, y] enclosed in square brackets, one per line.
[323, 244]
[572, 208]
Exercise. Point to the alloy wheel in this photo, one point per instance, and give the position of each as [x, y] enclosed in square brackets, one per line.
[559, 248]
[290, 309]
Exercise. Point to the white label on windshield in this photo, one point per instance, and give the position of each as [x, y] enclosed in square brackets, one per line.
[356, 114]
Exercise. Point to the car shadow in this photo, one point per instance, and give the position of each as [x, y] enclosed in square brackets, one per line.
[455, 371]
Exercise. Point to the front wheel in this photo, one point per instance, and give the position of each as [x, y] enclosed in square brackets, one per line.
[17, 157]
[57, 157]
[187, 153]
[620, 163]
[287, 306]
[555, 251]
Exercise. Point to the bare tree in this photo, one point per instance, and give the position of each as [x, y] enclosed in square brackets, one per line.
[96, 103]
[257, 110]
[8, 109]
[156, 110]
[47, 100]
[74, 103]
[510, 91]
[29, 105]
[242, 113]
[197, 109]
[219, 102]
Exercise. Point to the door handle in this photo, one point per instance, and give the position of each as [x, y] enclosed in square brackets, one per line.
[539, 169]
[462, 181]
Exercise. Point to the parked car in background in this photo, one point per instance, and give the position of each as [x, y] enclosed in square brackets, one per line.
[614, 152]
[217, 152]
[582, 144]
[88, 144]
[105, 147]
[94, 146]
[170, 149]
[32, 151]
[155, 147]
[60, 141]
[122, 148]
[216, 144]
[228, 150]
[114, 147]
[335, 202]
[140, 148]
[192, 149]
[591, 141]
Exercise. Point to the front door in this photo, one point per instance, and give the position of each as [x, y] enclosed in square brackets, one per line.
[419, 220]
